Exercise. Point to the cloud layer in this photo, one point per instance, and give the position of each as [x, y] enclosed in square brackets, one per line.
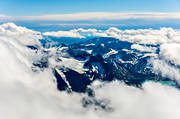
[25, 94]
[96, 16]
[140, 36]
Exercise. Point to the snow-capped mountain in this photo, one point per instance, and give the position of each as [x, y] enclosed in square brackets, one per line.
[105, 59]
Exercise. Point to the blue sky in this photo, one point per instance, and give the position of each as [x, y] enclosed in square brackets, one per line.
[43, 7]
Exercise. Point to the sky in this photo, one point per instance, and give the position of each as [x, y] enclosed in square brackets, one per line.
[44, 7]
[161, 13]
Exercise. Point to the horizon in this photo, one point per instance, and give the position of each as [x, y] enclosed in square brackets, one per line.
[120, 13]
[91, 12]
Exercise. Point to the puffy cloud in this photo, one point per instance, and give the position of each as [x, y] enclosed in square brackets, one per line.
[22, 35]
[167, 62]
[160, 66]
[145, 36]
[143, 48]
[154, 101]
[171, 52]
[77, 33]
[16, 39]
[64, 34]
[140, 36]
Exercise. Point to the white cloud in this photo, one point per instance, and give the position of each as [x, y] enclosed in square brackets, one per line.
[23, 35]
[162, 67]
[171, 52]
[97, 16]
[64, 34]
[140, 36]
[77, 33]
[4, 17]
[154, 101]
[143, 48]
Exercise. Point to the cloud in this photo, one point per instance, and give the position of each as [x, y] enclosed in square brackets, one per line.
[96, 16]
[4, 17]
[129, 102]
[77, 33]
[25, 94]
[167, 61]
[143, 48]
[170, 52]
[64, 34]
[160, 66]
[23, 35]
[139, 36]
